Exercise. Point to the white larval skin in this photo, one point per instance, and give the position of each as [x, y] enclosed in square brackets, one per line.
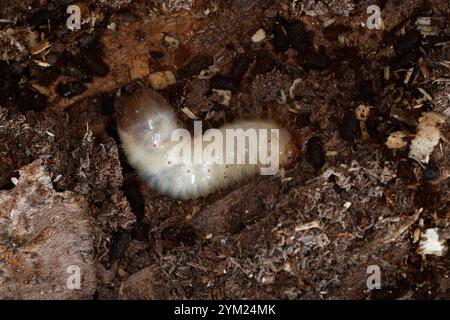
[148, 147]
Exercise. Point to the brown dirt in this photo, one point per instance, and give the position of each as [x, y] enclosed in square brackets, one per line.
[347, 203]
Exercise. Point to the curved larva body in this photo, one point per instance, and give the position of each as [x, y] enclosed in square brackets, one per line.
[145, 125]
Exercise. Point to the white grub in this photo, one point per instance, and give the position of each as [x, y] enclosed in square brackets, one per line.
[145, 126]
[427, 137]
[430, 243]
[396, 140]
[259, 35]
[161, 79]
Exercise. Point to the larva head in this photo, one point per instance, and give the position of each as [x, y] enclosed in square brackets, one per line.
[146, 118]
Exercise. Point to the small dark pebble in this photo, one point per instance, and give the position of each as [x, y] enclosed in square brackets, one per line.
[410, 41]
[405, 60]
[30, 100]
[10, 79]
[137, 203]
[59, 26]
[221, 109]
[111, 130]
[230, 46]
[52, 58]
[6, 182]
[315, 152]
[280, 39]
[87, 40]
[6, 185]
[39, 19]
[303, 119]
[389, 293]
[427, 196]
[349, 128]
[186, 235]
[240, 67]
[195, 65]
[264, 64]
[72, 69]
[140, 36]
[219, 117]
[119, 245]
[365, 90]
[404, 171]
[107, 104]
[70, 89]
[299, 37]
[224, 83]
[375, 127]
[407, 48]
[140, 231]
[336, 187]
[127, 16]
[430, 172]
[313, 60]
[64, 2]
[156, 55]
[346, 54]
[96, 66]
[133, 195]
[331, 33]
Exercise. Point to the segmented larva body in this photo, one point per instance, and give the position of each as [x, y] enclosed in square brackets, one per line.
[146, 123]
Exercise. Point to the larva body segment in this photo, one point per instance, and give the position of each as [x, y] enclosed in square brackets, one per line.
[145, 126]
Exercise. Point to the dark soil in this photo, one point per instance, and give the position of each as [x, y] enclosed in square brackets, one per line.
[348, 201]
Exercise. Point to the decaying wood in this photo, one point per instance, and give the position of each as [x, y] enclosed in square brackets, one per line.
[44, 234]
